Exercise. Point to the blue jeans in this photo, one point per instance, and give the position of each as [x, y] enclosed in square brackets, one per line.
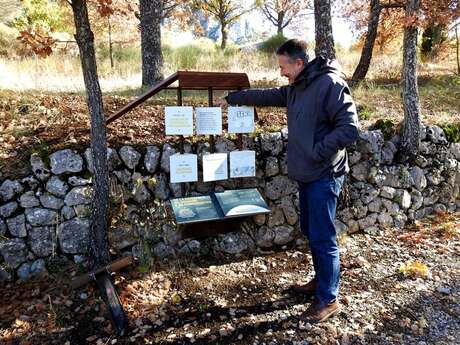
[318, 203]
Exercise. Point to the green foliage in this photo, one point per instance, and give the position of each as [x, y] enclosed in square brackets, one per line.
[387, 127]
[443, 91]
[272, 44]
[452, 131]
[191, 56]
[230, 50]
[433, 37]
[43, 150]
[43, 14]
[203, 55]
[185, 56]
[364, 112]
[129, 54]
[146, 258]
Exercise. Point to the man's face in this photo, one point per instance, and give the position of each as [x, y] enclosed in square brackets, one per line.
[290, 68]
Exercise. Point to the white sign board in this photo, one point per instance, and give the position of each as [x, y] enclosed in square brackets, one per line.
[179, 120]
[242, 164]
[184, 168]
[215, 167]
[208, 120]
[240, 119]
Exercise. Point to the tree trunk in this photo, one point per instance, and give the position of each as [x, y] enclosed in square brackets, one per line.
[368, 48]
[85, 39]
[152, 56]
[458, 50]
[223, 31]
[323, 30]
[411, 129]
[110, 42]
[279, 23]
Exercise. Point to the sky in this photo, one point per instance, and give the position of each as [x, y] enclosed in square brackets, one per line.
[341, 30]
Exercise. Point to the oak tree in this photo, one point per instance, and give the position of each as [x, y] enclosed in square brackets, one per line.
[99, 208]
[376, 7]
[282, 12]
[226, 12]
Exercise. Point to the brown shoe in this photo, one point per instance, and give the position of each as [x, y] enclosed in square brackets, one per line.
[319, 311]
[308, 289]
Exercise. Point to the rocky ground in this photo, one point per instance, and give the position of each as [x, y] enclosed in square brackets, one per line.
[399, 287]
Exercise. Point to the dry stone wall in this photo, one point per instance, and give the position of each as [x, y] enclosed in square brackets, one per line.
[46, 215]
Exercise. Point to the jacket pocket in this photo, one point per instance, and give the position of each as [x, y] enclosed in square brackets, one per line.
[315, 156]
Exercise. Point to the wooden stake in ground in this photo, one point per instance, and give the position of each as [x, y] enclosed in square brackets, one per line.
[411, 131]
[85, 40]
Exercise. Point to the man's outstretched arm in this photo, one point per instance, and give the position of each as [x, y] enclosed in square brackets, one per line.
[275, 97]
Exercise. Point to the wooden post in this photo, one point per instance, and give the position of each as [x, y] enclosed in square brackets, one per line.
[181, 138]
[239, 142]
[211, 104]
[179, 103]
[212, 141]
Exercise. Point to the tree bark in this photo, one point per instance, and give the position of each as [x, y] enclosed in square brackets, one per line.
[110, 42]
[279, 29]
[368, 48]
[323, 30]
[411, 130]
[85, 40]
[458, 50]
[279, 24]
[152, 56]
[223, 31]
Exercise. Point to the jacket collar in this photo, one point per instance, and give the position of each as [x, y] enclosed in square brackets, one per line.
[314, 69]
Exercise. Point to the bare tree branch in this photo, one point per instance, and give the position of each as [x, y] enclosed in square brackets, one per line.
[281, 12]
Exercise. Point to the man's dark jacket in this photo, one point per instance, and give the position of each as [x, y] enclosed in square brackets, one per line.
[322, 119]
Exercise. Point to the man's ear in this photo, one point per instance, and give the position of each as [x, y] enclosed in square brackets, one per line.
[300, 63]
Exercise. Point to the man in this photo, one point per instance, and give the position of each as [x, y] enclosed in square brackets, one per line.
[322, 121]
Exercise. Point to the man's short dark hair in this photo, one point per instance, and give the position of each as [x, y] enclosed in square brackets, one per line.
[294, 49]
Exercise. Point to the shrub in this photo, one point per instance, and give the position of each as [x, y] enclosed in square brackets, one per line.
[272, 44]
[452, 131]
[120, 53]
[188, 56]
[387, 127]
[364, 111]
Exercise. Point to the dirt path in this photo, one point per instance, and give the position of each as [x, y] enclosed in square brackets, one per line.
[244, 301]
